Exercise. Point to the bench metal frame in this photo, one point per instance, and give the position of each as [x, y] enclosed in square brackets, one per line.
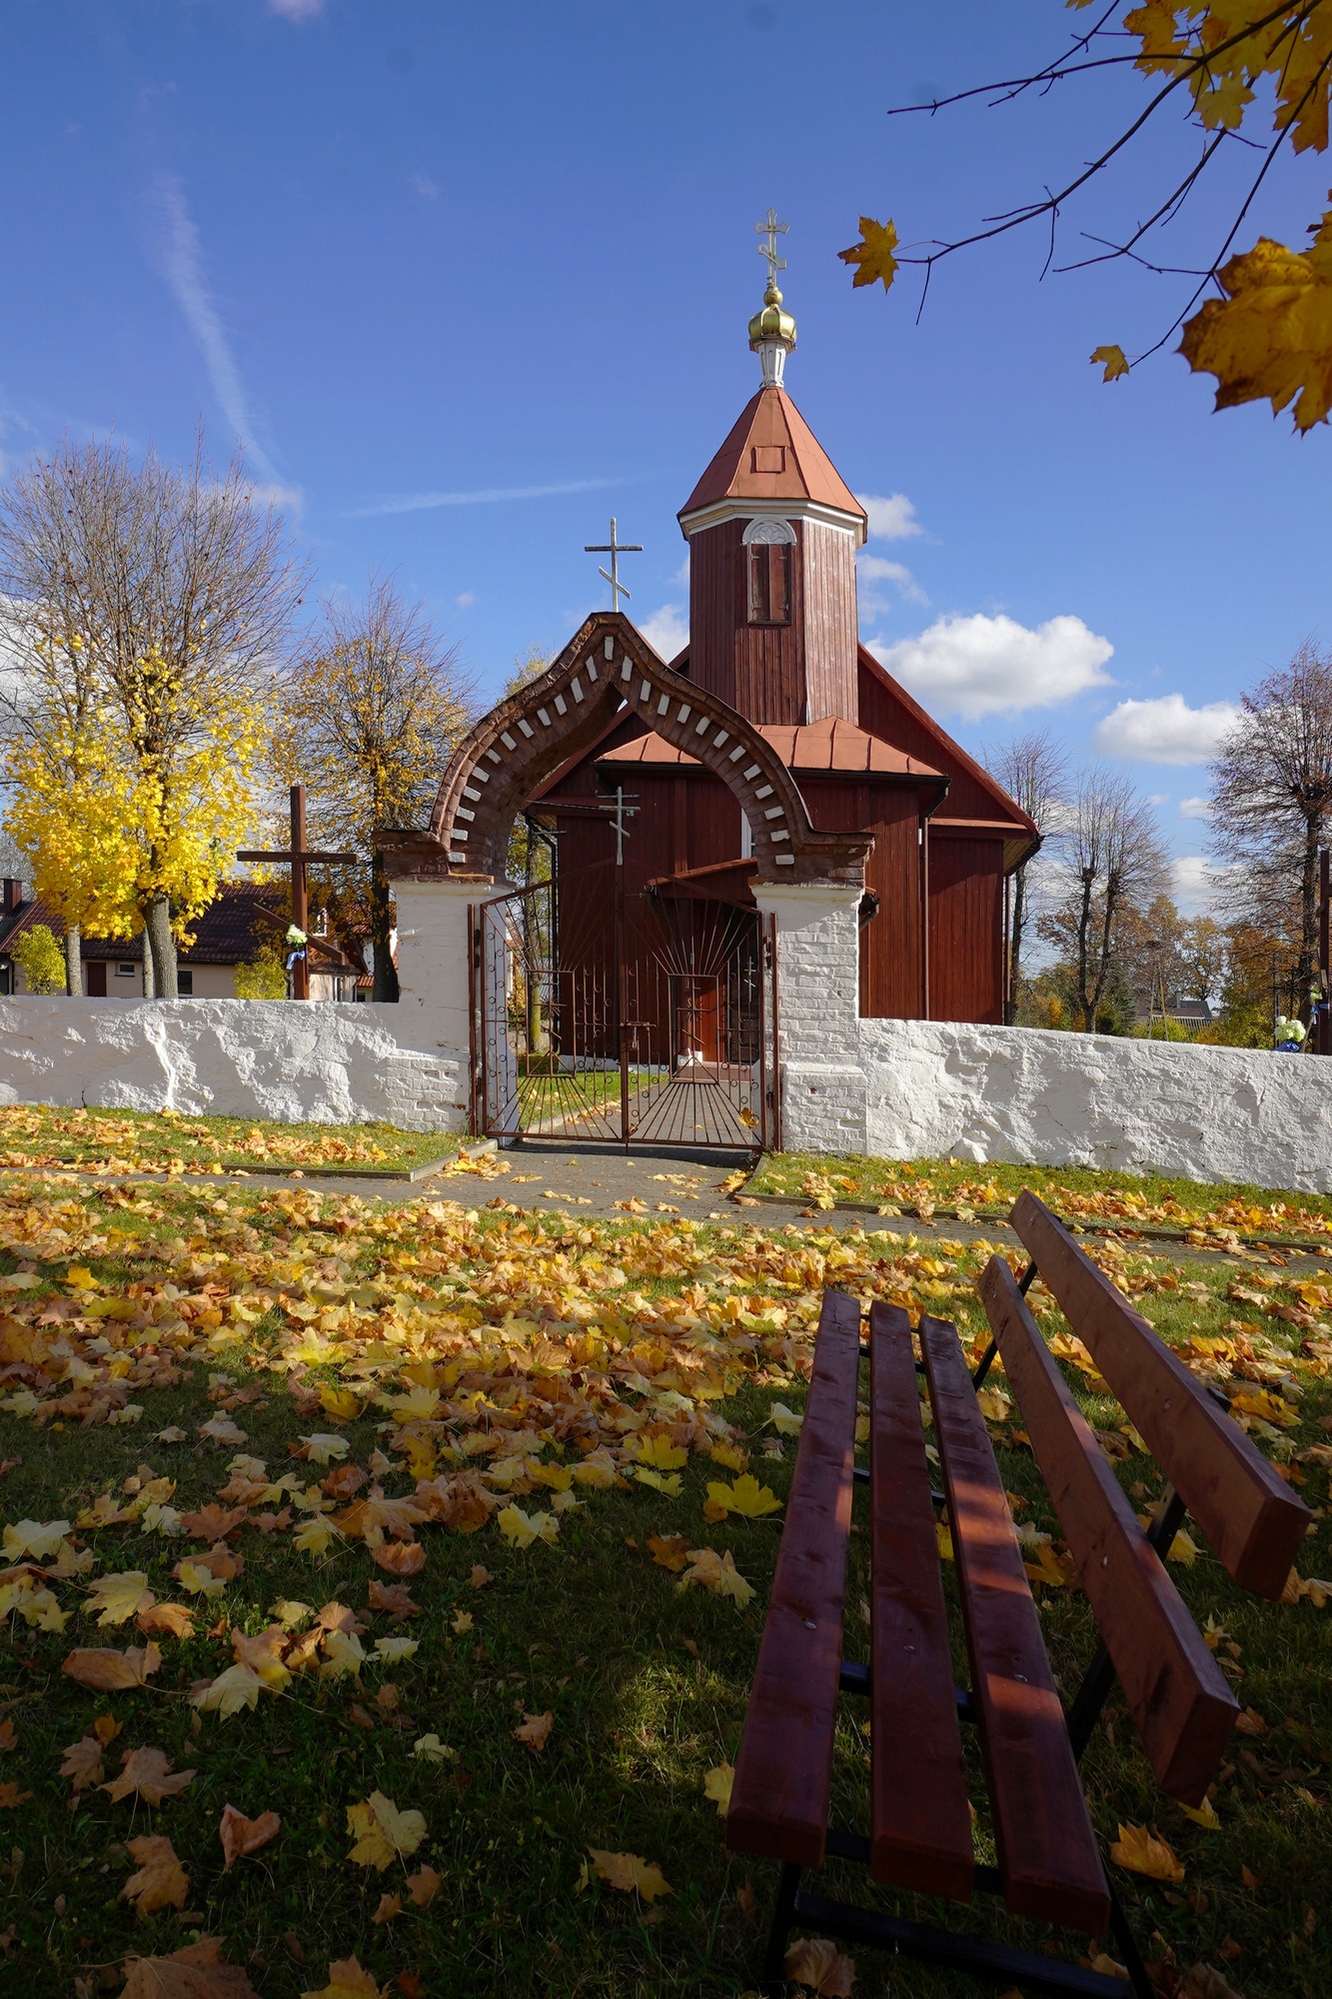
[964, 1950]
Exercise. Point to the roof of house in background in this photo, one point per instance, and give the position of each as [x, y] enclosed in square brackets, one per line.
[229, 932]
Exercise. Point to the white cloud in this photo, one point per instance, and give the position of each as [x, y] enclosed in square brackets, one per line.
[666, 631]
[1166, 730]
[891, 519]
[425, 186]
[297, 10]
[465, 598]
[681, 575]
[411, 503]
[877, 568]
[1195, 808]
[182, 266]
[1199, 884]
[982, 666]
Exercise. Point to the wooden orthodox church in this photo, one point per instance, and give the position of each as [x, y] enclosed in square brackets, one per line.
[773, 531]
[661, 972]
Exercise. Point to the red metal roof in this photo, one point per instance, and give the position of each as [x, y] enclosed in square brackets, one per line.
[772, 454]
[831, 745]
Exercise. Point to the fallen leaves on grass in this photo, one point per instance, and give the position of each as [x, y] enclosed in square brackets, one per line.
[11, 1797]
[719, 1574]
[395, 1598]
[630, 1873]
[533, 1731]
[746, 1497]
[423, 1886]
[110, 1671]
[382, 1832]
[347, 1980]
[115, 1599]
[161, 1882]
[522, 1529]
[389, 1907]
[82, 1763]
[669, 1551]
[717, 1786]
[1142, 1852]
[149, 1775]
[241, 1837]
[815, 1962]
[197, 1972]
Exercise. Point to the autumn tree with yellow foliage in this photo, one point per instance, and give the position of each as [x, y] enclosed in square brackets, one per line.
[145, 609]
[371, 711]
[1268, 335]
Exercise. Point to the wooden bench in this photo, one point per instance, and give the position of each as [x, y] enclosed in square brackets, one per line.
[920, 1822]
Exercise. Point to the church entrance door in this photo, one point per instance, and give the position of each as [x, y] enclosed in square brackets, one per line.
[645, 1016]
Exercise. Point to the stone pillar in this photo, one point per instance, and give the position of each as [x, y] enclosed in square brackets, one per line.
[822, 1078]
[433, 1008]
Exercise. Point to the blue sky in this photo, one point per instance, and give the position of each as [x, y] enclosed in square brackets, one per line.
[467, 280]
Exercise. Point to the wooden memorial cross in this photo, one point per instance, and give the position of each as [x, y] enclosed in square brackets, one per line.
[298, 857]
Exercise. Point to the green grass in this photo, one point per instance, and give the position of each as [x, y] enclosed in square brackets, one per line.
[1082, 1193]
[38, 1135]
[647, 1683]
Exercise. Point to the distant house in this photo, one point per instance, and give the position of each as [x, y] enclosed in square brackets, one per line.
[230, 932]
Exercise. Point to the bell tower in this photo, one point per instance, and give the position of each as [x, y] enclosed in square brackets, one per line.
[773, 532]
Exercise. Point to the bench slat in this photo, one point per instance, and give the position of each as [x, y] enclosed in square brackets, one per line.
[1047, 1851]
[1253, 1520]
[919, 1816]
[1182, 1706]
[783, 1773]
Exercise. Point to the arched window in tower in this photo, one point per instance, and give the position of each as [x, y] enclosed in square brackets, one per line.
[768, 545]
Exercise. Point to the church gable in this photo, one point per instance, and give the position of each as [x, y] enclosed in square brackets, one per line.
[888, 711]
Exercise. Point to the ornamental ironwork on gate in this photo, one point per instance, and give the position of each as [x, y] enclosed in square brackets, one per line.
[646, 1016]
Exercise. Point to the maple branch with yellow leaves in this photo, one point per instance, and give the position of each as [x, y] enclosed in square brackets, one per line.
[1269, 333]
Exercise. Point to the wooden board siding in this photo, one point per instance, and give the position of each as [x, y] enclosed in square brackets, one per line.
[828, 564]
[966, 904]
[887, 710]
[890, 943]
[796, 672]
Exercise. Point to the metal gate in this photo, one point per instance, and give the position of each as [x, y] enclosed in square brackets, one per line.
[648, 1015]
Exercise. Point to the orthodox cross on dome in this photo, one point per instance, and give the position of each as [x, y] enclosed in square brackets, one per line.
[614, 549]
[772, 229]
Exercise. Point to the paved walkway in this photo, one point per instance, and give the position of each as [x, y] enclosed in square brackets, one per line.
[603, 1180]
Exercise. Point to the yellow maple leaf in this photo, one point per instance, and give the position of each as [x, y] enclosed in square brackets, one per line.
[347, 1980]
[1270, 338]
[198, 1580]
[239, 1687]
[1113, 361]
[717, 1786]
[525, 1528]
[1139, 1851]
[661, 1452]
[746, 1497]
[118, 1598]
[670, 1483]
[383, 1833]
[1203, 1815]
[785, 1420]
[161, 1881]
[340, 1403]
[629, 1872]
[717, 1573]
[873, 256]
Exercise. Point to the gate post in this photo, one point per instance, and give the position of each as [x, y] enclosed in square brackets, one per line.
[432, 961]
[824, 1087]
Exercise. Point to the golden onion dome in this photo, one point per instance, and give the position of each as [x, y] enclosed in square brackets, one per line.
[772, 323]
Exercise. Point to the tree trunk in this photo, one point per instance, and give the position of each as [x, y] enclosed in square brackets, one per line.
[381, 933]
[73, 962]
[1087, 1003]
[149, 983]
[1313, 828]
[157, 930]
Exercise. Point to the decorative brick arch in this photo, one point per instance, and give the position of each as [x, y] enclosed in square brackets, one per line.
[507, 757]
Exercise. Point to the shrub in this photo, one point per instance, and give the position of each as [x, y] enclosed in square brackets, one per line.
[41, 958]
[264, 977]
